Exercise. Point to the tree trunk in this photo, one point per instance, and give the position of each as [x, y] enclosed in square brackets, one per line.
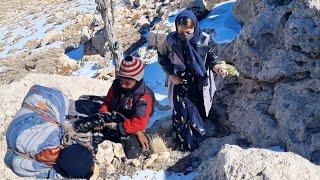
[105, 8]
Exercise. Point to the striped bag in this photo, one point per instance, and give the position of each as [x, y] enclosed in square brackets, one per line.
[33, 129]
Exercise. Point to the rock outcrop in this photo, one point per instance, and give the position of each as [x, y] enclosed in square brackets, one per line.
[275, 101]
[233, 162]
[49, 61]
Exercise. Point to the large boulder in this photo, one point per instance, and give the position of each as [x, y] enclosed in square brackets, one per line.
[233, 162]
[210, 147]
[275, 99]
[296, 108]
[50, 37]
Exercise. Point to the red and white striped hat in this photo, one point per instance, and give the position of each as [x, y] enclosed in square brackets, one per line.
[131, 67]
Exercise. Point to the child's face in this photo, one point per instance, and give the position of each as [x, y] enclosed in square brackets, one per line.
[127, 83]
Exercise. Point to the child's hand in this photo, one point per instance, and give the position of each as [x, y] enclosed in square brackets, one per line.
[143, 140]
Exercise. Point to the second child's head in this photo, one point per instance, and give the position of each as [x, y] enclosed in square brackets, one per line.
[131, 72]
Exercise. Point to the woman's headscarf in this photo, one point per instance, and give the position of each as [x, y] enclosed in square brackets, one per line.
[197, 30]
[197, 63]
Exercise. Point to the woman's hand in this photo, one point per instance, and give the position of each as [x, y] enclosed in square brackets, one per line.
[176, 80]
[221, 69]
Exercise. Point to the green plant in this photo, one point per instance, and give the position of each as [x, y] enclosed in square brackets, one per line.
[232, 71]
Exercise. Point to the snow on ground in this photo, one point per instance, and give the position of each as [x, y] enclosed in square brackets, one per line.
[221, 19]
[226, 27]
[161, 175]
[37, 26]
[172, 17]
[155, 78]
[88, 69]
[276, 149]
[2, 69]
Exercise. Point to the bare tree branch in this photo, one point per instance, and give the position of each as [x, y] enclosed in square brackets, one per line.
[112, 42]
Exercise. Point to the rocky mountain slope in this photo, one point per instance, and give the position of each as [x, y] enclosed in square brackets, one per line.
[275, 101]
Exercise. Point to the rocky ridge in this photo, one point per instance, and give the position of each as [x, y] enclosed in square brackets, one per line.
[275, 101]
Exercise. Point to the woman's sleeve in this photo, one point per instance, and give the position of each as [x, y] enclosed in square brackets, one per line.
[212, 55]
[163, 58]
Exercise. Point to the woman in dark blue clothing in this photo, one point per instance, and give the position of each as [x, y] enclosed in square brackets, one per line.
[189, 59]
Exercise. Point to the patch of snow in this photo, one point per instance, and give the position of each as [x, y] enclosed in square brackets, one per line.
[34, 32]
[160, 175]
[36, 27]
[4, 53]
[314, 4]
[89, 69]
[173, 15]
[160, 97]
[3, 31]
[2, 69]
[276, 149]
[77, 53]
[83, 6]
[155, 78]
[39, 29]
[58, 27]
[56, 44]
[220, 18]
[226, 26]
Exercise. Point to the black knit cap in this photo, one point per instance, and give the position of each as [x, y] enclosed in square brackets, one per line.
[75, 161]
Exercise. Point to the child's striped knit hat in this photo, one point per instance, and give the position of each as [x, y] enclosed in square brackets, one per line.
[131, 67]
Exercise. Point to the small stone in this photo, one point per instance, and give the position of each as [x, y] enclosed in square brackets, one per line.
[66, 61]
[118, 150]
[31, 44]
[105, 153]
[85, 34]
[111, 169]
[142, 51]
[151, 160]
[136, 163]
[3, 70]
[106, 73]
[50, 37]
[164, 155]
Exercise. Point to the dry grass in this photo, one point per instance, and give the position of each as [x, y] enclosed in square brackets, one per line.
[65, 70]
[158, 145]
